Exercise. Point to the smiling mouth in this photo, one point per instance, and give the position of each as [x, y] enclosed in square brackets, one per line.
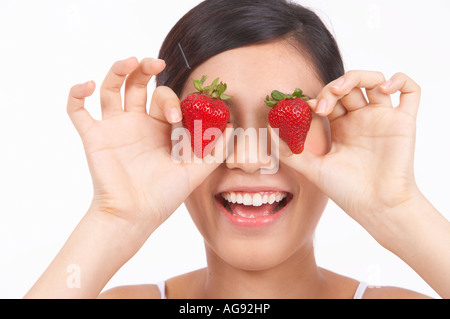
[253, 206]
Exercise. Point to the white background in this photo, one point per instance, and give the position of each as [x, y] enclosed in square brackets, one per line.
[45, 187]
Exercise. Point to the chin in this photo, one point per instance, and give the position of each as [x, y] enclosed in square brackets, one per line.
[250, 255]
[255, 228]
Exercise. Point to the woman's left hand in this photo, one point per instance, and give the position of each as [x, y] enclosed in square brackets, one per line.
[370, 168]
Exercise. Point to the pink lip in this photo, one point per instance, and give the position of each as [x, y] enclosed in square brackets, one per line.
[247, 189]
[251, 223]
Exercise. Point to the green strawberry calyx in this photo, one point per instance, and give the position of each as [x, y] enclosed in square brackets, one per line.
[216, 90]
[277, 96]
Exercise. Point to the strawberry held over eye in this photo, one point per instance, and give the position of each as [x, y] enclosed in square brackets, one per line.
[205, 109]
[292, 116]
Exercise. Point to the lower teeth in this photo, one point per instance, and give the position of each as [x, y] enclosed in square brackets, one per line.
[251, 216]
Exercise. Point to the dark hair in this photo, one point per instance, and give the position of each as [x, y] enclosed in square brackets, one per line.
[215, 26]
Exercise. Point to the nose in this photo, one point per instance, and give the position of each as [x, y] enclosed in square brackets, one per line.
[251, 150]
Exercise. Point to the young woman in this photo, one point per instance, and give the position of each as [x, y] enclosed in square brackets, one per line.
[359, 153]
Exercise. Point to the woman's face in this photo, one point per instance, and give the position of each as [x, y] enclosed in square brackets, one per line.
[278, 212]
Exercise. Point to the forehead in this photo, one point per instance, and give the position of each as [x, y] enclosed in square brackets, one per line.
[260, 68]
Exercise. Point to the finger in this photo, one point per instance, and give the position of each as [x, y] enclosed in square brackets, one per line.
[110, 98]
[410, 92]
[79, 116]
[136, 84]
[165, 106]
[368, 80]
[322, 106]
[354, 100]
[350, 102]
[327, 100]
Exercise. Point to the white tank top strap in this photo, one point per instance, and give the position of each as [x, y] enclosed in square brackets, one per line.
[162, 289]
[359, 293]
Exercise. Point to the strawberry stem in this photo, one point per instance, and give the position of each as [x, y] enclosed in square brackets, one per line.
[215, 90]
[277, 96]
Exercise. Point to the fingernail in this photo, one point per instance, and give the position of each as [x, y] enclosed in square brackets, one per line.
[322, 107]
[89, 84]
[312, 102]
[131, 59]
[174, 115]
[158, 61]
[386, 84]
[339, 83]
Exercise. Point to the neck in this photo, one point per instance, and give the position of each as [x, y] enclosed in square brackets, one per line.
[296, 277]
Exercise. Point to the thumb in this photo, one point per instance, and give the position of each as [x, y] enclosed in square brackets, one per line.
[200, 168]
[306, 163]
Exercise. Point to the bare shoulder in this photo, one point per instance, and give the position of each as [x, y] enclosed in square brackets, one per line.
[344, 287]
[181, 286]
[132, 292]
[392, 293]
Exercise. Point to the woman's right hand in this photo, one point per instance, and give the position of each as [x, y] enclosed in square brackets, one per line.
[137, 185]
[129, 150]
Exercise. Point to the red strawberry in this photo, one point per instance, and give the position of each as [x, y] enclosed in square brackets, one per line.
[206, 105]
[292, 116]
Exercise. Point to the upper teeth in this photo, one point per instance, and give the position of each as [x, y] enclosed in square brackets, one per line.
[254, 199]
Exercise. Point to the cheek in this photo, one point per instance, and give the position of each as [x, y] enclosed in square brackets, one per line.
[200, 205]
[193, 205]
[318, 140]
